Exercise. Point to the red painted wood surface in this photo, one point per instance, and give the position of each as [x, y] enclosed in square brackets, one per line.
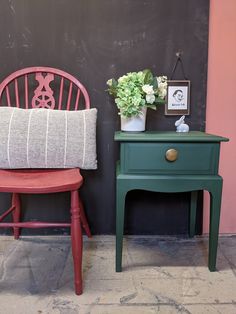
[35, 181]
[40, 181]
[43, 94]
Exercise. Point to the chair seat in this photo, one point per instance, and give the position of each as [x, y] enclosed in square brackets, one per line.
[40, 180]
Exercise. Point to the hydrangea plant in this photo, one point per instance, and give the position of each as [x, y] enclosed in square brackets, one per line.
[135, 90]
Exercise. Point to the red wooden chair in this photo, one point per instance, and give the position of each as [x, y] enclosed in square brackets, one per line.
[34, 181]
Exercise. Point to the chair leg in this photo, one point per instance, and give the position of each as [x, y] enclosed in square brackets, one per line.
[16, 214]
[84, 220]
[76, 241]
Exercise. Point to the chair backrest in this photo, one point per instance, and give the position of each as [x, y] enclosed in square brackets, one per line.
[43, 87]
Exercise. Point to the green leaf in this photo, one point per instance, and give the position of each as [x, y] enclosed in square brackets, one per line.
[155, 83]
[148, 77]
[114, 83]
[160, 101]
[152, 107]
[113, 88]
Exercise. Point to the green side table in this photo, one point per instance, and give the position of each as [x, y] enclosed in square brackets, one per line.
[170, 162]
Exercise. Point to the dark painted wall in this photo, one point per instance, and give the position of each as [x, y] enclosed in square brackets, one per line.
[94, 41]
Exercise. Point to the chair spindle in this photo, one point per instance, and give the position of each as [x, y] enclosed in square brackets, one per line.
[60, 94]
[26, 92]
[17, 94]
[69, 97]
[8, 97]
[77, 99]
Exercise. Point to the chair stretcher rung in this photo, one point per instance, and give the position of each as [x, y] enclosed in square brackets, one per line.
[7, 212]
[31, 224]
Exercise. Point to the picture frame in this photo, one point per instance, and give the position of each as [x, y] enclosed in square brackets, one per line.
[178, 97]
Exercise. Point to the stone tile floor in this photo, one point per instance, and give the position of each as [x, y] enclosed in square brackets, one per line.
[160, 275]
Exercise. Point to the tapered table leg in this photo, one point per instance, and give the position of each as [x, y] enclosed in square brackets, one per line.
[192, 215]
[120, 211]
[215, 205]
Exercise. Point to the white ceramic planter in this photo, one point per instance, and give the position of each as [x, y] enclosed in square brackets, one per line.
[134, 124]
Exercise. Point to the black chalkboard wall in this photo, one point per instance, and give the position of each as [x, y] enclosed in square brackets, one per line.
[94, 41]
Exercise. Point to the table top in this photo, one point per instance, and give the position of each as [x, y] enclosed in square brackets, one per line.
[167, 136]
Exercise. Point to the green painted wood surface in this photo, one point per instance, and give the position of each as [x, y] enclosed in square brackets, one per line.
[168, 136]
[150, 157]
[143, 166]
[171, 184]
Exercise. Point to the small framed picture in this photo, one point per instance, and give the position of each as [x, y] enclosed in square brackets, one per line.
[178, 98]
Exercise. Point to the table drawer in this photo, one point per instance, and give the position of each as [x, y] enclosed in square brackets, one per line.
[184, 158]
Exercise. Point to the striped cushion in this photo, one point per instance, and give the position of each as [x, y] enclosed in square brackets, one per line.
[44, 138]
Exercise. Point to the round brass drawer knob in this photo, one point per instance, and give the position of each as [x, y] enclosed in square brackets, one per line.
[171, 154]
